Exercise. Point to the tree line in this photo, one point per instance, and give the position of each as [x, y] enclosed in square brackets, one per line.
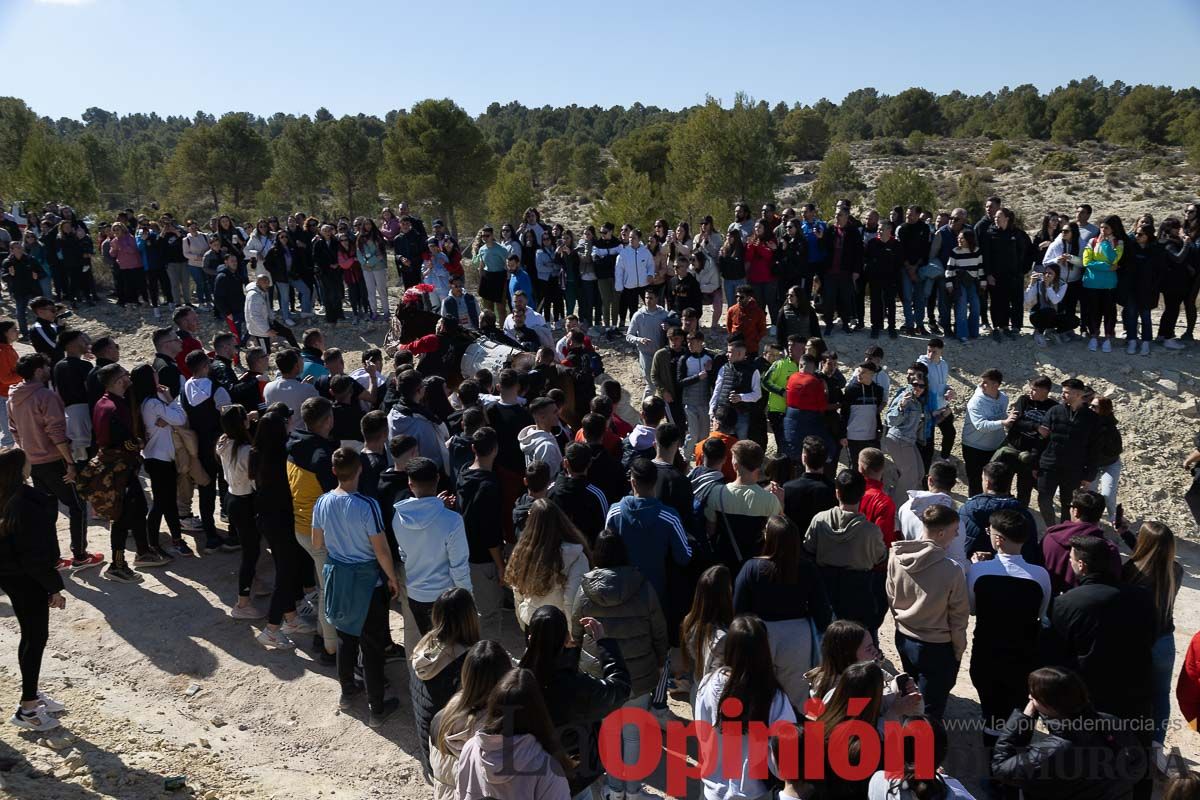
[639, 162]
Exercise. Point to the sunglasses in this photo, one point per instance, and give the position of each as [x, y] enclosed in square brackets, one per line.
[920, 385]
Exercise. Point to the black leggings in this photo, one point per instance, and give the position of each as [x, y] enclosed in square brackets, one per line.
[29, 604]
[207, 454]
[332, 291]
[974, 460]
[131, 521]
[372, 641]
[241, 517]
[164, 501]
[157, 281]
[279, 528]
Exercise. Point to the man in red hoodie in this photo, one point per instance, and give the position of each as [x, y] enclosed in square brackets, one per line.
[38, 421]
[879, 508]
[1086, 509]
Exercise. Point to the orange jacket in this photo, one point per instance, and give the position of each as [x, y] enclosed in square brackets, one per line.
[750, 321]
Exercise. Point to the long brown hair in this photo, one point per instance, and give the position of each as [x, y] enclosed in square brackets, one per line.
[517, 707]
[455, 618]
[863, 679]
[750, 670]
[712, 609]
[12, 478]
[839, 649]
[1152, 566]
[781, 549]
[536, 565]
[486, 663]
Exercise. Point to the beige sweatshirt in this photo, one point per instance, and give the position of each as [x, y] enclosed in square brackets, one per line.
[927, 593]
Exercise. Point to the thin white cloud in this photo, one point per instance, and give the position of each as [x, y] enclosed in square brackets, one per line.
[65, 2]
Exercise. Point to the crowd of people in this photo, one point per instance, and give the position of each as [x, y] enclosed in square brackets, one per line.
[745, 540]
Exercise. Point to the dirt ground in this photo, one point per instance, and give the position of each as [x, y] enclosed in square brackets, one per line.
[162, 682]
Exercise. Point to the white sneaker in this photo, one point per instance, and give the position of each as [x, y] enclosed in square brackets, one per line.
[275, 640]
[298, 626]
[306, 609]
[1106, 347]
[1132, 347]
[1093, 344]
[37, 720]
[1146, 347]
[1174, 344]
[246, 612]
[50, 705]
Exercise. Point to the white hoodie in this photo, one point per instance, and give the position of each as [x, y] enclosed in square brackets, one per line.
[257, 310]
[635, 268]
[910, 526]
[540, 445]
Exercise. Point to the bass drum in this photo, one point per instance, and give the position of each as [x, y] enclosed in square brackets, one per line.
[492, 356]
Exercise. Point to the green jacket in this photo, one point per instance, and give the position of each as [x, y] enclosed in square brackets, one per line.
[776, 381]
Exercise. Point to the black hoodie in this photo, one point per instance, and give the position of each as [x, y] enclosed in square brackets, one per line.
[391, 489]
[480, 506]
[583, 503]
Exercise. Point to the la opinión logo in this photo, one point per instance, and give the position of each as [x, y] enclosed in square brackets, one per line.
[853, 749]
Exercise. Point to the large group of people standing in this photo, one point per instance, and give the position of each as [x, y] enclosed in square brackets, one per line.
[744, 540]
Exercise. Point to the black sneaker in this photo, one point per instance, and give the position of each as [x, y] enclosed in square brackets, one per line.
[182, 548]
[347, 699]
[380, 716]
[935, 329]
[213, 545]
[394, 652]
[892, 334]
[997, 335]
[1011, 334]
[327, 659]
[921, 331]
[230, 546]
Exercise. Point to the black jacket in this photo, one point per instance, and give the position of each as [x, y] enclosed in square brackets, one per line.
[584, 504]
[70, 380]
[578, 703]
[1003, 253]
[169, 375]
[1087, 758]
[1105, 632]
[430, 695]
[1024, 435]
[276, 262]
[227, 292]
[480, 505]
[885, 261]
[412, 246]
[30, 549]
[607, 475]
[1108, 444]
[807, 496]
[23, 283]
[1072, 448]
[324, 256]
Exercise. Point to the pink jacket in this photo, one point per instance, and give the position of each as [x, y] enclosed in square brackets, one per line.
[390, 228]
[124, 250]
[38, 421]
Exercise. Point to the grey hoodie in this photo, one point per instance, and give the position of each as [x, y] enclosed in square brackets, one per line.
[847, 539]
[540, 445]
[512, 768]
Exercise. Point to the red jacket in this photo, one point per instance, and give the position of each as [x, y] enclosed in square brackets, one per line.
[806, 392]
[759, 259]
[750, 321]
[426, 344]
[1187, 690]
[189, 343]
[878, 507]
[8, 362]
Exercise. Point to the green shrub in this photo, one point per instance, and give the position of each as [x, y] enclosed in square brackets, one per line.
[887, 147]
[1060, 160]
[1000, 153]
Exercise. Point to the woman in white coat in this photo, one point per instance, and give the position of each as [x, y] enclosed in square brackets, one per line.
[258, 310]
[548, 562]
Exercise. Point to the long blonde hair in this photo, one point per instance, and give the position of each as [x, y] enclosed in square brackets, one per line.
[536, 565]
[486, 663]
[1152, 566]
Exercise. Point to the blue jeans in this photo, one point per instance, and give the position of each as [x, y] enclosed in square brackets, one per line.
[6, 437]
[731, 287]
[1131, 314]
[284, 292]
[966, 311]
[630, 746]
[933, 666]
[21, 304]
[45, 284]
[203, 284]
[305, 294]
[914, 294]
[1162, 661]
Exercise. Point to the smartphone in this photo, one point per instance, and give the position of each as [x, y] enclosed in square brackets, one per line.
[906, 684]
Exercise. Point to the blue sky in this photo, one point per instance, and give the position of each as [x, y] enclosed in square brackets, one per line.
[175, 56]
